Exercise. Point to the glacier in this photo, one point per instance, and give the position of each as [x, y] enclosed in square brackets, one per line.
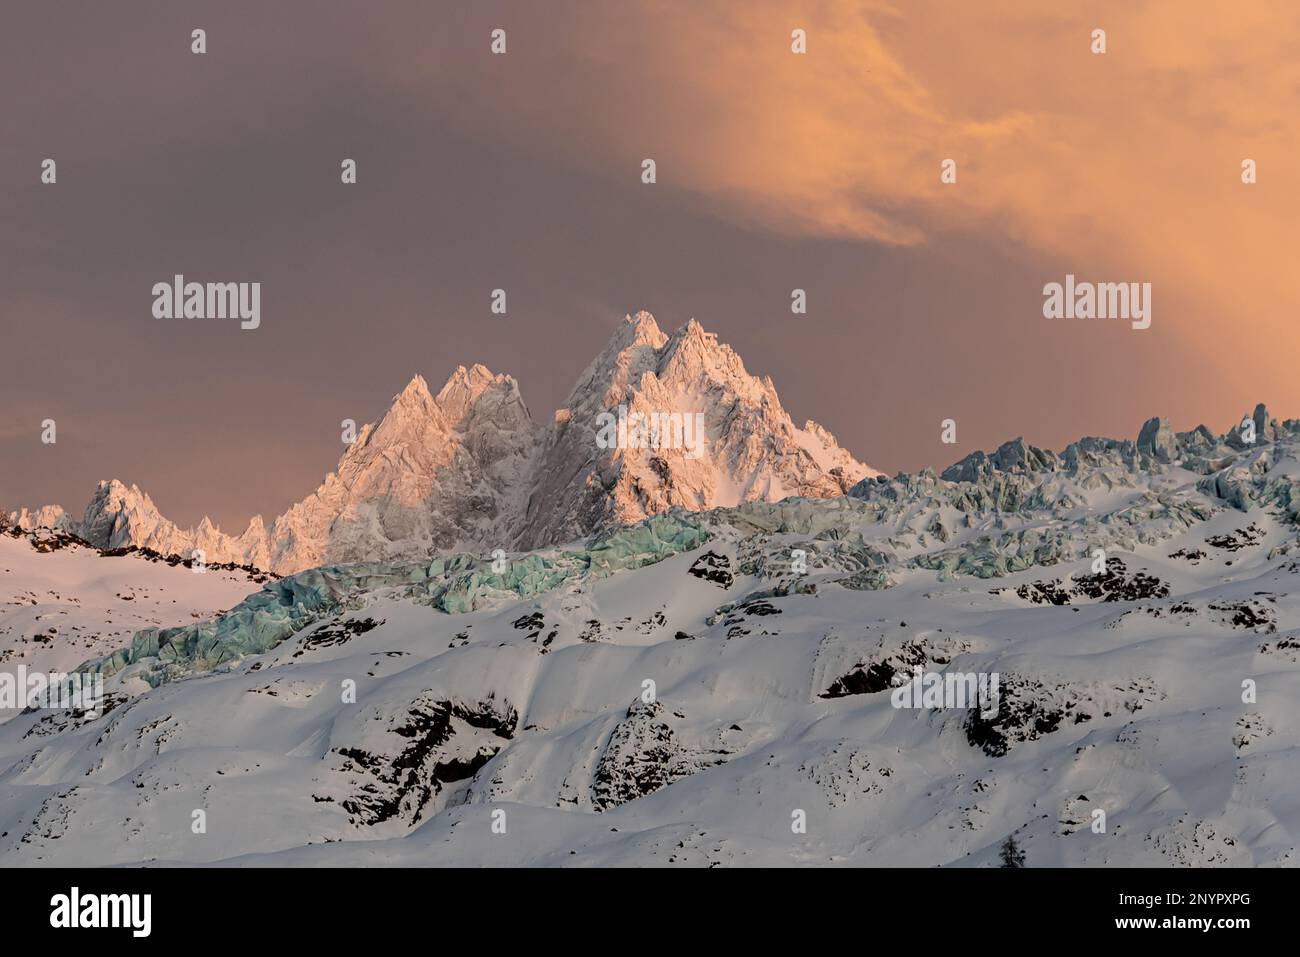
[675, 691]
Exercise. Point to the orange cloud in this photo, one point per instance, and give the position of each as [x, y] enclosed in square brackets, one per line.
[1124, 165]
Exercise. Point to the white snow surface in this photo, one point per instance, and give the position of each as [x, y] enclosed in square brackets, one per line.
[772, 694]
[68, 604]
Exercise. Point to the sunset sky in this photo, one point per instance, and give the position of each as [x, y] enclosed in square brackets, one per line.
[523, 171]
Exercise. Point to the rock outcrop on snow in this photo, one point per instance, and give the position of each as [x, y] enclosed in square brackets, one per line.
[469, 468]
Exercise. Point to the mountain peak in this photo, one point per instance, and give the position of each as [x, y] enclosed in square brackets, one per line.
[693, 330]
[631, 351]
[741, 444]
[693, 358]
[470, 468]
[414, 402]
[411, 417]
[465, 386]
[416, 388]
[692, 337]
[636, 330]
[642, 327]
[475, 374]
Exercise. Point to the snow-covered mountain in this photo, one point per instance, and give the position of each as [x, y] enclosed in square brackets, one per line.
[751, 450]
[469, 468]
[62, 601]
[433, 472]
[733, 685]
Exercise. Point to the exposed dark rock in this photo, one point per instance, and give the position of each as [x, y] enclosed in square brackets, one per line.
[335, 632]
[1114, 584]
[1238, 539]
[399, 783]
[1029, 708]
[714, 568]
[641, 756]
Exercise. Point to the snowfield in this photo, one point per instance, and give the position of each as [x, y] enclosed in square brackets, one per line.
[691, 689]
[63, 601]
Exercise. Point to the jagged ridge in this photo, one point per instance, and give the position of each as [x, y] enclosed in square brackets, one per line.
[469, 468]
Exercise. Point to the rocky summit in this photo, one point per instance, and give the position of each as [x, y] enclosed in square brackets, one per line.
[469, 468]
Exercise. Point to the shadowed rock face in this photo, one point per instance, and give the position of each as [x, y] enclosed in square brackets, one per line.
[888, 669]
[1031, 707]
[433, 744]
[1116, 583]
[641, 756]
[1158, 441]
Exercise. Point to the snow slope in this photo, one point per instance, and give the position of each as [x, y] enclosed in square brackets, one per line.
[502, 714]
[63, 602]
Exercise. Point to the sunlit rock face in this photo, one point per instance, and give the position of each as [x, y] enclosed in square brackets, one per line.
[468, 468]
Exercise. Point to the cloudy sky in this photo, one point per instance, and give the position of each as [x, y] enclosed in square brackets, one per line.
[522, 171]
